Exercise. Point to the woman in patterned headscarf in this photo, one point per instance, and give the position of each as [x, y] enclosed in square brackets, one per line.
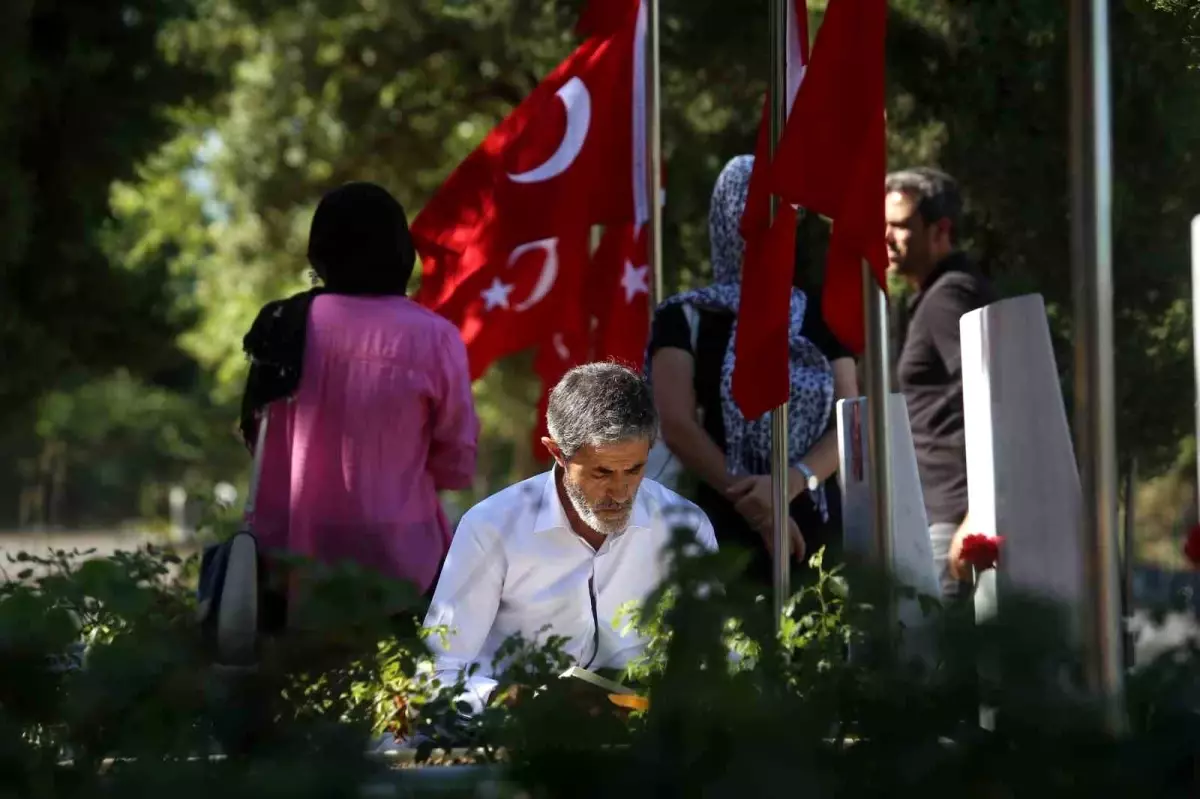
[690, 362]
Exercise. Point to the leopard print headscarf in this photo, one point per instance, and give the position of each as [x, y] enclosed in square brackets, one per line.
[748, 442]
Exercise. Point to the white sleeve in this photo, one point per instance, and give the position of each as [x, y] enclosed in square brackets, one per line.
[688, 516]
[706, 536]
[465, 602]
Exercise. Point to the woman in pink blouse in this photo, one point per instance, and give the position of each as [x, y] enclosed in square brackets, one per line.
[369, 401]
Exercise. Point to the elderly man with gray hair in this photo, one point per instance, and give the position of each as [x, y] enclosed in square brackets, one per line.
[560, 553]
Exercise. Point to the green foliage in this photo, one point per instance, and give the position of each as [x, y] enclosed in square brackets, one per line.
[735, 707]
[322, 93]
[86, 96]
[128, 623]
[831, 704]
[160, 162]
[93, 283]
[981, 89]
[109, 450]
[213, 125]
[1186, 14]
[101, 659]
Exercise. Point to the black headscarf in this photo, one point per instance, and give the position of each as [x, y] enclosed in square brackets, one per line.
[358, 244]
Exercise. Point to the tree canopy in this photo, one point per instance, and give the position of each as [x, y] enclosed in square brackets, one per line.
[170, 153]
[87, 94]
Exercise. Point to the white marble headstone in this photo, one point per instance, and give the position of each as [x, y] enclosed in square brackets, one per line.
[177, 504]
[1021, 469]
[912, 552]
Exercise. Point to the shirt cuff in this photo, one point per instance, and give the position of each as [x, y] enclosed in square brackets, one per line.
[478, 691]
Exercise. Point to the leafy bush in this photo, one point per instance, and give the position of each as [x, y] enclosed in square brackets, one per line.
[106, 686]
[831, 705]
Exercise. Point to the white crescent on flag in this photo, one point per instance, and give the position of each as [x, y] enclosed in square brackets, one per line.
[546, 277]
[578, 103]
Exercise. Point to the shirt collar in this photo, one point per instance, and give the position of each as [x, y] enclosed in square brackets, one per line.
[552, 516]
[954, 262]
[550, 513]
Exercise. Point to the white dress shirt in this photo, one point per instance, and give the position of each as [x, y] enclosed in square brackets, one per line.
[516, 566]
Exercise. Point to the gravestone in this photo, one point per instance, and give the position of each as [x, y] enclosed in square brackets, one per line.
[912, 552]
[177, 503]
[1021, 469]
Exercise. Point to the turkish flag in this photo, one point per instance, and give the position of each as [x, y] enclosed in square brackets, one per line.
[504, 240]
[621, 296]
[603, 17]
[756, 217]
[832, 158]
[519, 306]
[569, 346]
[761, 378]
[614, 322]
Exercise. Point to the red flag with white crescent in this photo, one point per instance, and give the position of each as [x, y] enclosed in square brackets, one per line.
[840, 114]
[504, 240]
[761, 379]
[621, 295]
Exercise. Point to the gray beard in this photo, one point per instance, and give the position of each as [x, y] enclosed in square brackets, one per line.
[589, 517]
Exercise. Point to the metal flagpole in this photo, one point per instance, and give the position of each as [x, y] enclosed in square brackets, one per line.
[779, 417]
[1196, 326]
[877, 385]
[654, 97]
[1091, 266]
[1128, 553]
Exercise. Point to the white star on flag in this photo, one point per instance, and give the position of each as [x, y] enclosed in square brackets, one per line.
[634, 281]
[496, 295]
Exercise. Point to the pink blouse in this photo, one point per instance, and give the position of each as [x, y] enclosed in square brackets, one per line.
[382, 421]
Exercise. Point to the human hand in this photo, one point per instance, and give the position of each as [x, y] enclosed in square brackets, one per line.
[511, 696]
[751, 496]
[959, 569]
[979, 552]
[798, 547]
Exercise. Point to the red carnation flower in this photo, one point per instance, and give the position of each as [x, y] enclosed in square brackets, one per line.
[981, 551]
[1191, 547]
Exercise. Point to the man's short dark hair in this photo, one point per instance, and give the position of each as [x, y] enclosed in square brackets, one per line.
[935, 192]
[600, 403]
